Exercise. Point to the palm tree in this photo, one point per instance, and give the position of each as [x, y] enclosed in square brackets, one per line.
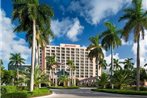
[128, 65]
[63, 79]
[95, 51]
[116, 65]
[103, 80]
[72, 67]
[103, 64]
[1, 62]
[145, 65]
[110, 39]
[40, 77]
[51, 65]
[38, 15]
[16, 60]
[137, 22]
[120, 78]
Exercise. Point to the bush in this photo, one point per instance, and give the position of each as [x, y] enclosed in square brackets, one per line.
[134, 88]
[15, 95]
[128, 92]
[61, 87]
[40, 92]
[8, 89]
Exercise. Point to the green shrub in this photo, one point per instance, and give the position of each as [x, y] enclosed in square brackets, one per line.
[15, 95]
[8, 89]
[128, 92]
[40, 92]
[61, 87]
[134, 88]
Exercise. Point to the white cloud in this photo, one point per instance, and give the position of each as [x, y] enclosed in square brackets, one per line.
[60, 28]
[144, 3]
[96, 10]
[10, 43]
[126, 43]
[75, 30]
[143, 50]
[71, 28]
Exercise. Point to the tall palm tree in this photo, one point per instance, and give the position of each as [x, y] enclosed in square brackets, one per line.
[72, 67]
[110, 39]
[95, 51]
[137, 22]
[16, 60]
[38, 15]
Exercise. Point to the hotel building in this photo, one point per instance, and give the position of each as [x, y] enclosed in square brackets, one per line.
[85, 68]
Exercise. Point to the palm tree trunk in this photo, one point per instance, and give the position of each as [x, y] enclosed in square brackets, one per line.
[112, 65]
[138, 63]
[97, 72]
[17, 72]
[33, 56]
[37, 54]
[70, 78]
[75, 78]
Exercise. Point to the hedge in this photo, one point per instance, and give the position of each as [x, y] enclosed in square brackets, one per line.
[15, 95]
[12, 92]
[40, 92]
[8, 89]
[61, 87]
[127, 92]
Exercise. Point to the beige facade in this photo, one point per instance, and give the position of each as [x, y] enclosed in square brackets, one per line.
[79, 55]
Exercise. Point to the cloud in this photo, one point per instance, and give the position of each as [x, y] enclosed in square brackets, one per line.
[70, 28]
[96, 10]
[75, 30]
[126, 43]
[144, 3]
[10, 43]
[143, 50]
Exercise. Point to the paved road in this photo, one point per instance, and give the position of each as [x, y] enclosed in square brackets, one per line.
[86, 93]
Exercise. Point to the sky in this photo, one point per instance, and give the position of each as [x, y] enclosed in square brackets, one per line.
[74, 22]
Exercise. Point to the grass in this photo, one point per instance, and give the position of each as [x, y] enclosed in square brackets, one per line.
[61, 87]
[117, 91]
[40, 92]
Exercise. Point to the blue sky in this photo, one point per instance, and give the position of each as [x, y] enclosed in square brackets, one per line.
[74, 22]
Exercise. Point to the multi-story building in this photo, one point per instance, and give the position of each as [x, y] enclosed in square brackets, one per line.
[85, 68]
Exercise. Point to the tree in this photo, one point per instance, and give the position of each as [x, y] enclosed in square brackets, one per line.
[103, 64]
[95, 51]
[145, 65]
[137, 22]
[120, 78]
[1, 62]
[63, 79]
[27, 12]
[40, 77]
[72, 67]
[110, 39]
[16, 60]
[116, 65]
[128, 65]
[103, 80]
[51, 65]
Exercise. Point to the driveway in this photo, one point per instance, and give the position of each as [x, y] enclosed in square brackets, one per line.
[86, 93]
